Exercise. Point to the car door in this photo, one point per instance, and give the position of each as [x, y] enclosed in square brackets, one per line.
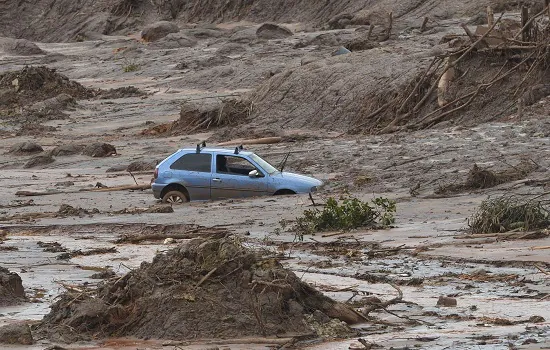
[230, 178]
[194, 171]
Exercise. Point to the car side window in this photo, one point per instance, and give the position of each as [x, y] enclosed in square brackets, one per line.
[233, 165]
[201, 162]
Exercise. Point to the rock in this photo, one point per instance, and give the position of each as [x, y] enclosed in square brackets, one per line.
[340, 21]
[16, 334]
[537, 319]
[244, 36]
[39, 161]
[21, 47]
[11, 288]
[175, 41]
[273, 31]
[67, 150]
[26, 148]
[158, 30]
[204, 33]
[140, 166]
[446, 302]
[341, 51]
[98, 150]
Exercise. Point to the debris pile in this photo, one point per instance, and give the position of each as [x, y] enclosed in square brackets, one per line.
[510, 213]
[172, 298]
[480, 178]
[22, 88]
[205, 115]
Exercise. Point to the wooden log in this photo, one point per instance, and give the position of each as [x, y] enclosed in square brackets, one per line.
[259, 141]
[117, 188]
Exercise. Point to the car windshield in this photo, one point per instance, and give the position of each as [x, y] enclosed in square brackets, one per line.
[263, 164]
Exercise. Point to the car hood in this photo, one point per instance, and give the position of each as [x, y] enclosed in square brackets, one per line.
[297, 178]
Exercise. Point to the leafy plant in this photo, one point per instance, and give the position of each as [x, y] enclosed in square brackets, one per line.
[347, 214]
[130, 66]
[508, 213]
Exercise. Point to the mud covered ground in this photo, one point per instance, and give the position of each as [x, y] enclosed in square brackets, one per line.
[500, 282]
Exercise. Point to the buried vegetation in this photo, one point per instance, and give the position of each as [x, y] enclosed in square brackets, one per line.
[346, 214]
[253, 295]
[510, 213]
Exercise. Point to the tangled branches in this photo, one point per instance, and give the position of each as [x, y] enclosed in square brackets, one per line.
[487, 71]
[508, 212]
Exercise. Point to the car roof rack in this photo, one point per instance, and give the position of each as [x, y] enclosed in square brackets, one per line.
[200, 146]
[238, 149]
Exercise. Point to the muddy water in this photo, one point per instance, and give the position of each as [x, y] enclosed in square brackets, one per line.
[44, 275]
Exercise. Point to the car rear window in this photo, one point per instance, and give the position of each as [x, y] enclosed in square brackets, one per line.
[201, 162]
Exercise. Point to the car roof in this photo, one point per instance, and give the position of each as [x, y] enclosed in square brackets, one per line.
[217, 150]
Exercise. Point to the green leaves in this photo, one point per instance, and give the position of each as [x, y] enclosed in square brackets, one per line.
[347, 214]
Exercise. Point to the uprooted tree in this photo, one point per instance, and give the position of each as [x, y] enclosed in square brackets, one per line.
[501, 67]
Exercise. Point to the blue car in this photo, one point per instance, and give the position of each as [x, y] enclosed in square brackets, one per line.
[208, 173]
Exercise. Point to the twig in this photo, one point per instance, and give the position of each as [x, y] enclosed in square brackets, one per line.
[133, 177]
[206, 277]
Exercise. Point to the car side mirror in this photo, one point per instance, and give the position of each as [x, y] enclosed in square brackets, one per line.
[254, 173]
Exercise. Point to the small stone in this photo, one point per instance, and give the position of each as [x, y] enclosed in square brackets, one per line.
[446, 302]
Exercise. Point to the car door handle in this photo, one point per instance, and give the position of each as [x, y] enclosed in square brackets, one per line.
[216, 179]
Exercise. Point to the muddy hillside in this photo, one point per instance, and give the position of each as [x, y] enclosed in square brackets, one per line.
[65, 20]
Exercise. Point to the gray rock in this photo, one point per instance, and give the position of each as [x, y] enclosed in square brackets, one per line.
[174, 41]
[158, 30]
[21, 47]
[26, 148]
[98, 150]
[39, 161]
[11, 288]
[341, 51]
[16, 334]
[273, 31]
[140, 166]
[446, 302]
[67, 150]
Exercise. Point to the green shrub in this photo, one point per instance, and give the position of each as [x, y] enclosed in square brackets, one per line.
[508, 213]
[131, 67]
[350, 213]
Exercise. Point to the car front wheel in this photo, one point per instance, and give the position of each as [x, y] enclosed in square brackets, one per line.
[174, 197]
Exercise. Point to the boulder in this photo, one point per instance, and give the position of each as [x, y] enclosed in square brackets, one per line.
[140, 166]
[446, 302]
[273, 31]
[11, 288]
[175, 41]
[158, 30]
[67, 150]
[28, 147]
[99, 149]
[20, 47]
[39, 161]
[16, 334]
